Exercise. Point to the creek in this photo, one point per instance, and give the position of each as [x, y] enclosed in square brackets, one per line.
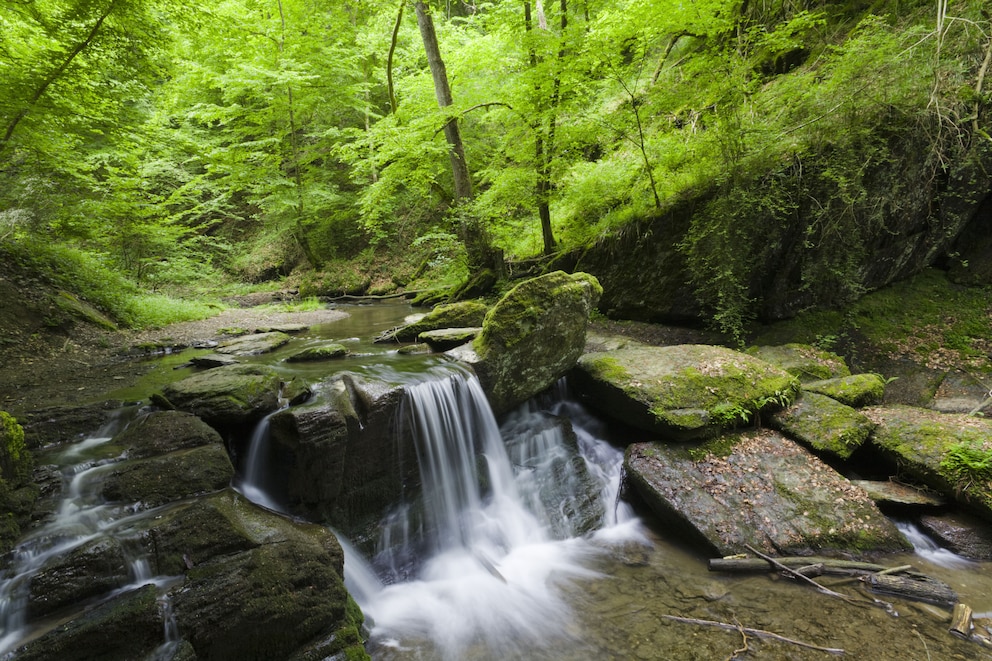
[521, 547]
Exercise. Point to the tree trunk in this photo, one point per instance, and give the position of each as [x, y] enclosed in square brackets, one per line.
[543, 155]
[459, 166]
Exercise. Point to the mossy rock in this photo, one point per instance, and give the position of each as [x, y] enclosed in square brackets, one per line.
[91, 570]
[532, 337]
[443, 339]
[856, 390]
[682, 392]
[161, 432]
[758, 489]
[950, 453]
[824, 424]
[453, 315]
[227, 396]
[83, 310]
[329, 351]
[16, 461]
[250, 345]
[170, 477]
[805, 362]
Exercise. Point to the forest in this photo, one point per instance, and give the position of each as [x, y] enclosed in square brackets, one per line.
[155, 154]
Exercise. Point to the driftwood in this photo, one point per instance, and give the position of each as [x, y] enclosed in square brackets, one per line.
[370, 297]
[792, 572]
[760, 633]
[961, 621]
[830, 566]
[923, 589]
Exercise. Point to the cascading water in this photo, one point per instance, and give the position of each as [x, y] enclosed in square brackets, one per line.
[472, 568]
[252, 484]
[926, 548]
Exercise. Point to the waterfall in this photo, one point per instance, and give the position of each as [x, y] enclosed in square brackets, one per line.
[926, 548]
[477, 561]
[252, 484]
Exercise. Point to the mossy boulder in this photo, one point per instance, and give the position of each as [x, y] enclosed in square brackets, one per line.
[443, 339]
[824, 424]
[532, 337]
[856, 390]
[91, 570]
[453, 315]
[328, 351]
[250, 345]
[225, 397]
[950, 453]
[805, 362]
[682, 392]
[759, 489]
[161, 432]
[163, 479]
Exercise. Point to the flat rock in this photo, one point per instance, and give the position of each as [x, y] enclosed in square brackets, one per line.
[227, 396]
[855, 390]
[950, 453]
[824, 424]
[161, 432]
[250, 345]
[759, 489]
[892, 493]
[452, 315]
[166, 478]
[211, 360]
[805, 362]
[443, 339]
[682, 392]
[328, 351]
[965, 535]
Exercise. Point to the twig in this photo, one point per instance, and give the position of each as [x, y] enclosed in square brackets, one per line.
[740, 650]
[760, 633]
[796, 574]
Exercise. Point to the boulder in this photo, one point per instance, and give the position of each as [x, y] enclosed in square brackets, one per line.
[344, 461]
[759, 489]
[531, 337]
[212, 360]
[951, 453]
[54, 425]
[856, 390]
[966, 536]
[453, 315]
[448, 338]
[824, 424]
[161, 432]
[227, 396]
[250, 345]
[159, 480]
[88, 571]
[682, 392]
[328, 351]
[805, 362]
[892, 493]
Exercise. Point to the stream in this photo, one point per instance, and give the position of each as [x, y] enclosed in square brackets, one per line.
[539, 559]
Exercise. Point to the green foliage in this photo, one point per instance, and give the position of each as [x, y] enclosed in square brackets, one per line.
[967, 464]
[15, 459]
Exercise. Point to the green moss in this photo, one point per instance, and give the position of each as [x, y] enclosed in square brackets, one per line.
[15, 459]
[720, 447]
[608, 369]
[966, 464]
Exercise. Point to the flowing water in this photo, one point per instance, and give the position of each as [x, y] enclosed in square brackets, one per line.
[519, 546]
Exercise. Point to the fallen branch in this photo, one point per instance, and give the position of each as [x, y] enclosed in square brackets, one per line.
[349, 297]
[760, 633]
[793, 572]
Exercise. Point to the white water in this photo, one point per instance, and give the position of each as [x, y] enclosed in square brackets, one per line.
[476, 565]
[928, 549]
[252, 484]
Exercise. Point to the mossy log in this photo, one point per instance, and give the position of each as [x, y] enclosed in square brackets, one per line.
[923, 589]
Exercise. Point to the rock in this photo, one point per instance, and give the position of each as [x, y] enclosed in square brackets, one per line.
[283, 594]
[249, 345]
[159, 480]
[448, 338]
[453, 315]
[961, 533]
[227, 396]
[126, 627]
[89, 571]
[296, 391]
[960, 392]
[323, 352]
[824, 424]
[856, 390]
[893, 493]
[161, 432]
[290, 329]
[805, 362]
[531, 337]
[948, 452]
[211, 360]
[54, 425]
[345, 463]
[761, 489]
[681, 392]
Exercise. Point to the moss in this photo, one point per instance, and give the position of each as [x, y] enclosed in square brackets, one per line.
[608, 369]
[323, 352]
[16, 461]
[856, 390]
[720, 447]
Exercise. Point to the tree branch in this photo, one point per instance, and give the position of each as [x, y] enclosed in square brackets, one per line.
[760, 633]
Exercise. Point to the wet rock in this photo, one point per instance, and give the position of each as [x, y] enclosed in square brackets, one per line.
[250, 345]
[531, 337]
[893, 493]
[296, 391]
[91, 570]
[159, 480]
[454, 315]
[856, 390]
[960, 392]
[965, 535]
[950, 453]
[126, 627]
[345, 462]
[318, 353]
[63, 424]
[448, 338]
[161, 432]
[761, 489]
[682, 392]
[227, 396]
[805, 362]
[211, 360]
[824, 424]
